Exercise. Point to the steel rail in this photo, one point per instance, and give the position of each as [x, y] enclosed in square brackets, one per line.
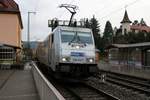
[129, 80]
[130, 86]
[101, 94]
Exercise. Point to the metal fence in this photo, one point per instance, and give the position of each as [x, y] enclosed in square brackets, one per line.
[125, 69]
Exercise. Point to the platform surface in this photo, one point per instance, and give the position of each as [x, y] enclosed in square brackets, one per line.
[17, 85]
[127, 70]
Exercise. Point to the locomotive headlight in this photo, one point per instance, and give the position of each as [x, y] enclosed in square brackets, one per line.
[65, 59]
[90, 60]
[77, 47]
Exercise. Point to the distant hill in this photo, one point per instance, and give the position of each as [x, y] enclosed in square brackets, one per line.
[33, 44]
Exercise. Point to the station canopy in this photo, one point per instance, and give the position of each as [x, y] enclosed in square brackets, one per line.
[135, 45]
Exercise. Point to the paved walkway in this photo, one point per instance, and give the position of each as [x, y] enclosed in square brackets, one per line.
[129, 70]
[17, 85]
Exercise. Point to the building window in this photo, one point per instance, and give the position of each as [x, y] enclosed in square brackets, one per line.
[6, 54]
[133, 30]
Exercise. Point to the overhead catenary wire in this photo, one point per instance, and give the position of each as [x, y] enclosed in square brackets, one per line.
[105, 6]
[119, 9]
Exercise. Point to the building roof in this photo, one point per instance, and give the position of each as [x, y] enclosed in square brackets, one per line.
[144, 44]
[10, 6]
[126, 18]
[7, 45]
[140, 28]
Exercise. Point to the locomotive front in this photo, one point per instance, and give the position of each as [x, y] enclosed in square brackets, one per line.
[77, 50]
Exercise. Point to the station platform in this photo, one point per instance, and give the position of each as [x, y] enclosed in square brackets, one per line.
[127, 70]
[17, 85]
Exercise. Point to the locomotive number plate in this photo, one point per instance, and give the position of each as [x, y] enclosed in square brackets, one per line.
[77, 54]
[77, 59]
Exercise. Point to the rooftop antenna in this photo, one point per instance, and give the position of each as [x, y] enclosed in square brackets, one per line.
[71, 8]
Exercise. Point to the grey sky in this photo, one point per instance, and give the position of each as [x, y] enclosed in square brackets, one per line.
[103, 10]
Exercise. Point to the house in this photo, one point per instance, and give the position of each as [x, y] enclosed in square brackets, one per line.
[128, 26]
[10, 29]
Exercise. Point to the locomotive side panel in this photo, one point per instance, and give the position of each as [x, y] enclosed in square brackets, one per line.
[42, 51]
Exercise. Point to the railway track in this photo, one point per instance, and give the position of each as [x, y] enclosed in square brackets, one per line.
[92, 89]
[78, 91]
[57, 84]
[83, 91]
[136, 84]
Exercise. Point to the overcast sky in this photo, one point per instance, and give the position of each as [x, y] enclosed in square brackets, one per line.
[112, 10]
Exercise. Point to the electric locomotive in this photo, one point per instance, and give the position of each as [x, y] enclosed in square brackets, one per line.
[69, 49]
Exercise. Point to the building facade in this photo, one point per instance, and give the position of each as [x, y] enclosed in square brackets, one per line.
[10, 23]
[10, 29]
[137, 54]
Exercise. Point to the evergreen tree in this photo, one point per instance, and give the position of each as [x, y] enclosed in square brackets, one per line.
[148, 37]
[142, 22]
[94, 25]
[95, 29]
[108, 33]
[140, 37]
[135, 22]
[131, 37]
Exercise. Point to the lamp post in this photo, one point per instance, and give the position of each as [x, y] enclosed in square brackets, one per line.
[28, 35]
[29, 28]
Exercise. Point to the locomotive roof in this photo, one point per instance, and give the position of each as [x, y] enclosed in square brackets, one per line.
[67, 28]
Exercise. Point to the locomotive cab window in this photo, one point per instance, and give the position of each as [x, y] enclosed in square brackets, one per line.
[82, 37]
[85, 37]
[67, 36]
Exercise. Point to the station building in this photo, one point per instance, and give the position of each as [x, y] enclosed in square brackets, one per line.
[137, 54]
[134, 55]
[10, 31]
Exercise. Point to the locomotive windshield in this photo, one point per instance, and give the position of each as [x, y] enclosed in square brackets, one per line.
[80, 37]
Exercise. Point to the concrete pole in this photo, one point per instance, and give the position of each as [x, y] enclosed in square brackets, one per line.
[29, 28]
[28, 35]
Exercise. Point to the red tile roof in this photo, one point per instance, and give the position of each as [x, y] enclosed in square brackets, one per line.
[140, 28]
[10, 6]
